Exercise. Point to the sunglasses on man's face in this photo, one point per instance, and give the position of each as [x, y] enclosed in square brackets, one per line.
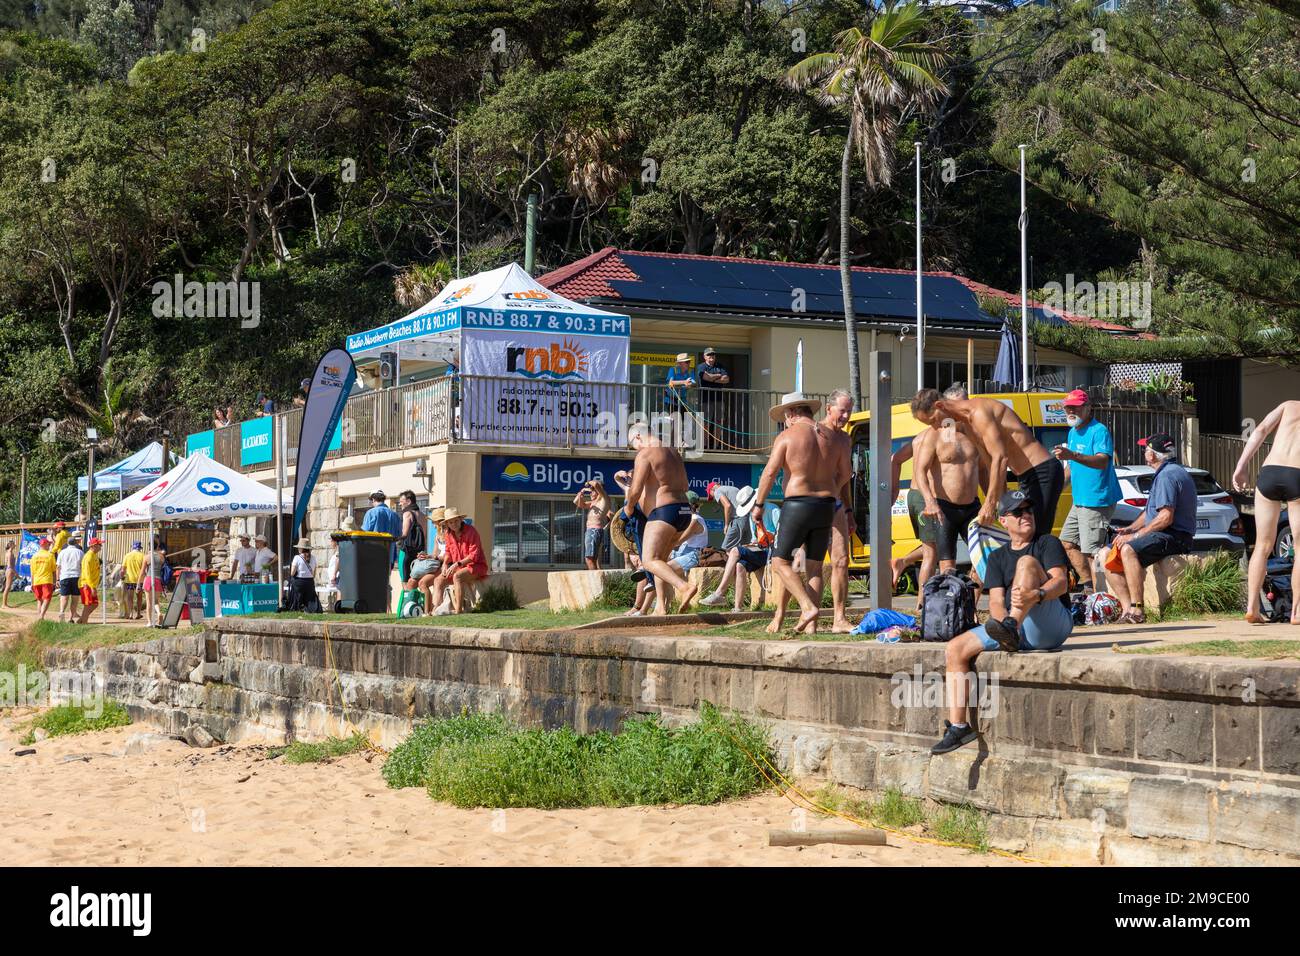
[1019, 513]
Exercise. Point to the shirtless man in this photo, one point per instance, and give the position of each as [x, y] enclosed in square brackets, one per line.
[948, 471]
[926, 532]
[1007, 443]
[815, 460]
[839, 406]
[659, 480]
[1278, 484]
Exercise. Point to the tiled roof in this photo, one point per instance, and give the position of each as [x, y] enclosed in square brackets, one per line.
[591, 277]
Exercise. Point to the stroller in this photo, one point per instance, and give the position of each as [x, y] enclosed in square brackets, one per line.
[1275, 595]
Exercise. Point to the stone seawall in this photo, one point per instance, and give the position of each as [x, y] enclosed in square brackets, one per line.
[1083, 757]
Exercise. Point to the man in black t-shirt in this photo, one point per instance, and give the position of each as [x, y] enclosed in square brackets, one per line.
[1028, 609]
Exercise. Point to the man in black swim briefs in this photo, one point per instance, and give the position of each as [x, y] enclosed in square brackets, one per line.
[1276, 488]
[1043, 485]
[658, 485]
[815, 460]
[1006, 443]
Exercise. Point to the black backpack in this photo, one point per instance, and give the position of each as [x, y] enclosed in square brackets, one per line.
[414, 541]
[1275, 596]
[947, 606]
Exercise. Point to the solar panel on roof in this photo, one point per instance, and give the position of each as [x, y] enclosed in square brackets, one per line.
[727, 284]
[813, 281]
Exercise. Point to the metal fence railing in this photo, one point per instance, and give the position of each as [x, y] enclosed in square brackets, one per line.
[1219, 455]
[514, 411]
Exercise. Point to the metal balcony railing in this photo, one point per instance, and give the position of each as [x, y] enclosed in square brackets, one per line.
[477, 409]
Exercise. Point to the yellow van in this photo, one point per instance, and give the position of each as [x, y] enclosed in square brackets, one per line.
[1044, 412]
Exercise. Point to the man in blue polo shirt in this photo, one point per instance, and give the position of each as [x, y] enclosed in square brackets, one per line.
[1089, 457]
[380, 517]
[1167, 527]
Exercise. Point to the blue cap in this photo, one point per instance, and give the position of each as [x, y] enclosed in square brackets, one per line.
[137, 545]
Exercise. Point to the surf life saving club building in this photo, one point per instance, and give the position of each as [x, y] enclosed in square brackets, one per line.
[505, 394]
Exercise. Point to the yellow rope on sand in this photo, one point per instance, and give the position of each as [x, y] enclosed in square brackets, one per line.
[338, 682]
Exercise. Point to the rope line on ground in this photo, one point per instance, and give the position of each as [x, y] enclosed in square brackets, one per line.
[332, 666]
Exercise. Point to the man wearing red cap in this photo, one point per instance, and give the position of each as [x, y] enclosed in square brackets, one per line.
[89, 581]
[58, 537]
[1089, 457]
[43, 567]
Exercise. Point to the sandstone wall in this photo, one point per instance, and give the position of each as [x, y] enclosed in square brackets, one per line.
[1084, 757]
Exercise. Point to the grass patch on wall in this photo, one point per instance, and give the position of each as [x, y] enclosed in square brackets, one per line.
[477, 760]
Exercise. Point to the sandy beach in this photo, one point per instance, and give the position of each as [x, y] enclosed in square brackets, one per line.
[81, 800]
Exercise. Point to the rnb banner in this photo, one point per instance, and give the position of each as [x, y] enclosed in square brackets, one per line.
[541, 389]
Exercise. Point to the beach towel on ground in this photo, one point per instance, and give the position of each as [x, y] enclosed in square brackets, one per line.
[882, 618]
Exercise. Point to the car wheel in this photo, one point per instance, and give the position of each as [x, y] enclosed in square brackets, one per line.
[1284, 547]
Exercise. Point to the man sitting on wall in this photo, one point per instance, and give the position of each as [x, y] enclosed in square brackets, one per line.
[1029, 609]
[1167, 527]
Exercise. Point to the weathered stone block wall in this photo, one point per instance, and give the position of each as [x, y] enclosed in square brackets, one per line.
[1083, 757]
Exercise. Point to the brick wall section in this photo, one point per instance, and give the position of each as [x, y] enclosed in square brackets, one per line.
[1126, 759]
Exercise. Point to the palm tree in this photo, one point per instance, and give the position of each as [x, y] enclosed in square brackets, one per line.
[878, 75]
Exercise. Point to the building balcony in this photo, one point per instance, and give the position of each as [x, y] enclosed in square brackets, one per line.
[509, 411]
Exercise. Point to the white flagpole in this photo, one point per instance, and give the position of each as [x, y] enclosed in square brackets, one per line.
[920, 309]
[798, 367]
[1024, 279]
[457, 202]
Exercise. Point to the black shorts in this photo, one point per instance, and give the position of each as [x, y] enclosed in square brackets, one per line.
[1042, 485]
[953, 521]
[68, 587]
[677, 514]
[752, 559]
[1154, 545]
[1279, 483]
[805, 522]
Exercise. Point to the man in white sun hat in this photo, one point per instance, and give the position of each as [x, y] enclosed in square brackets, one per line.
[815, 460]
[736, 504]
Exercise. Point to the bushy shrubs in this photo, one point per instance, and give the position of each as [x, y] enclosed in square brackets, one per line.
[482, 761]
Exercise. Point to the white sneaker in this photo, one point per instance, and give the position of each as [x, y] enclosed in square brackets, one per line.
[713, 600]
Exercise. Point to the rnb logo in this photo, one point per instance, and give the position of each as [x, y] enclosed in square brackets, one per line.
[567, 361]
[532, 295]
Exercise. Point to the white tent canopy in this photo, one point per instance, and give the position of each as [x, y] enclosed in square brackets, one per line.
[131, 472]
[433, 331]
[198, 489]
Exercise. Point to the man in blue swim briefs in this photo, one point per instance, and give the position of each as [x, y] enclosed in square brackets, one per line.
[659, 480]
[815, 460]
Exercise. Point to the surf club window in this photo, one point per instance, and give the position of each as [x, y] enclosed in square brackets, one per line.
[942, 374]
[535, 531]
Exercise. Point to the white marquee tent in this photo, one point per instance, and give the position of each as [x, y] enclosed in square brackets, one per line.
[198, 489]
